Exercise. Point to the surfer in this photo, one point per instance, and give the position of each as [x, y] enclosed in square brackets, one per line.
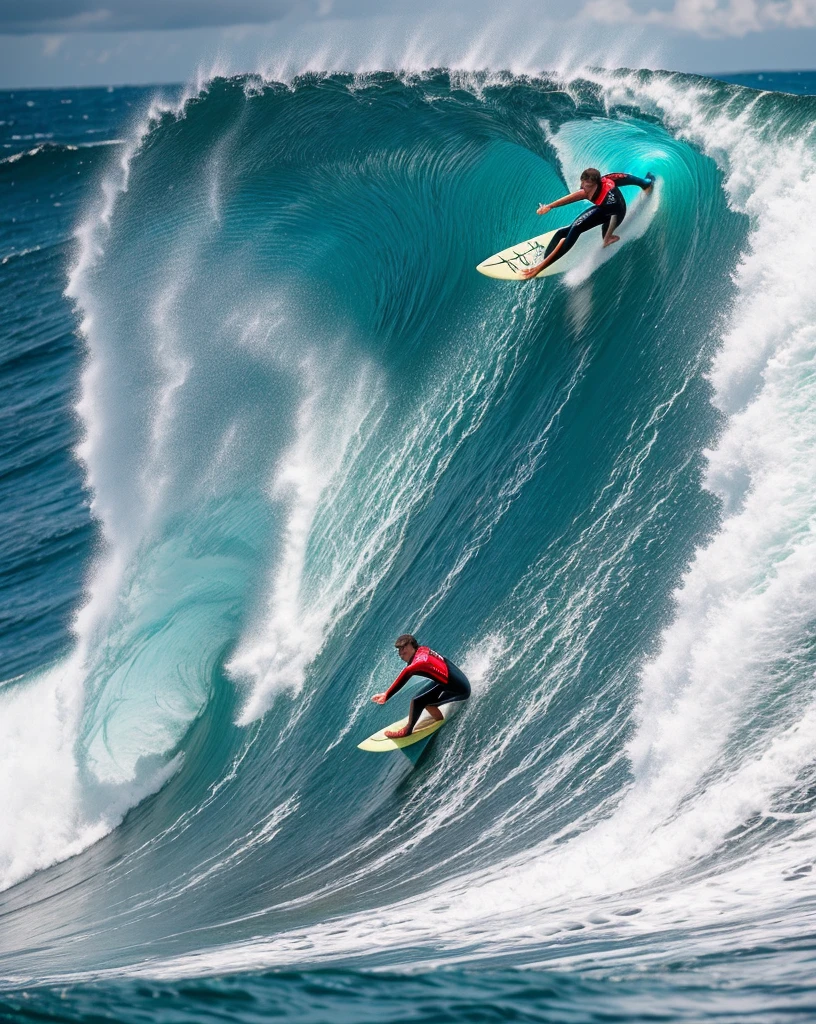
[608, 210]
[447, 683]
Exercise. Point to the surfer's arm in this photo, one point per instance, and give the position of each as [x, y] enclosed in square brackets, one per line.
[399, 682]
[632, 179]
[573, 197]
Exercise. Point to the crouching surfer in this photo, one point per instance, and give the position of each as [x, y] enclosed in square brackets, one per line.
[607, 213]
[446, 683]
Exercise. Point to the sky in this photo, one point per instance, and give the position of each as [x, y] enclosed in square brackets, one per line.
[58, 43]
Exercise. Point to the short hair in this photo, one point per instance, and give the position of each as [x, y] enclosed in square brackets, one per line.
[406, 638]
[591, 174]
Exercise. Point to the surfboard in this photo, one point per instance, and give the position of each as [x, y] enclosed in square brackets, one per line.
[508, 264]
[379, 743]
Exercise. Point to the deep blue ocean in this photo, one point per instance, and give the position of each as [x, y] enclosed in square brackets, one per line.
[261, 415]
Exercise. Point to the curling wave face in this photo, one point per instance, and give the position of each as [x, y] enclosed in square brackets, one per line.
[309, 425]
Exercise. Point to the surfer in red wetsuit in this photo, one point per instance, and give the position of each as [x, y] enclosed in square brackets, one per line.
[447, 683]
[608, 210]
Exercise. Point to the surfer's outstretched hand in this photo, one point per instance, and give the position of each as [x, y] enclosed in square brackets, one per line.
[379, 698]
[544, 208]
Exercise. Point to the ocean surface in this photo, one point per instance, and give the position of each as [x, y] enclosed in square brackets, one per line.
[260, 415]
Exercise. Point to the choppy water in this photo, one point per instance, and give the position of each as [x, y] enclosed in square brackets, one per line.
[261, 415]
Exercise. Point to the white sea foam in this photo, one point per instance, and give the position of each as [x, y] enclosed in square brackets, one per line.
[49, 811]
[517, 40]
[292, 631]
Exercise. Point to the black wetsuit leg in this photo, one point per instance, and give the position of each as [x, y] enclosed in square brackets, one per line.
[595, 217]
[614, 208]
[434, 694]
[556, 238]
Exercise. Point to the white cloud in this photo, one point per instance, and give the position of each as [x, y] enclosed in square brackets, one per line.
[709, 18]
[238, 33]
[51, 45]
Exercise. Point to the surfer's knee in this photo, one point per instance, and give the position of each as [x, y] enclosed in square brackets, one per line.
[559, 236]
[570, 239]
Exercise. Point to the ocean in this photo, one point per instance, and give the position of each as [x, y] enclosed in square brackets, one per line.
[261, 415]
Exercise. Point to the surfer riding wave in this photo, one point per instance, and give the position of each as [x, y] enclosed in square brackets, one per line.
[608, 211]
[448, 683]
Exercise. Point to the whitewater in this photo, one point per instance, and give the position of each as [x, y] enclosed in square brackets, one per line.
[263, 416]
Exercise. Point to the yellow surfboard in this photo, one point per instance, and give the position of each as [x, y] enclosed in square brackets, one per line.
[379, 743]
[508, 264]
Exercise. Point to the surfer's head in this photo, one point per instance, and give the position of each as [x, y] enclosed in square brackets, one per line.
[406, 646]
[590, 180]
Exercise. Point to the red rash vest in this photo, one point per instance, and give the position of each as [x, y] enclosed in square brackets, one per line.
[607, 184]
[424, 663]
[610, 181]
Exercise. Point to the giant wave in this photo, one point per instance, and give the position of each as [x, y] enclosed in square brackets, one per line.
[308, 425]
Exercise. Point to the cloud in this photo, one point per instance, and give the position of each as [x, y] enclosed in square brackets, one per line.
[61, 16]
[710, 19]
[51, 45]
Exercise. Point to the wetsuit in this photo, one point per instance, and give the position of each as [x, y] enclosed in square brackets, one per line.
[608, 202]
[447, 683]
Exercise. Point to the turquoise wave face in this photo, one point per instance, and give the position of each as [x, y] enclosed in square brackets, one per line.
[306, 425]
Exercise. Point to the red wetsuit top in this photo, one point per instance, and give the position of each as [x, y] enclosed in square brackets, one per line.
[607, 184]
[613, 181]
[424, 663]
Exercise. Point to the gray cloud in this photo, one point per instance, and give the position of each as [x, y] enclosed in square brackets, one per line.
[60, 16]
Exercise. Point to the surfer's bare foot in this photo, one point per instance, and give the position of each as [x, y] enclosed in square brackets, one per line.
[611, 240]
[532, 271]
[397, 734]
